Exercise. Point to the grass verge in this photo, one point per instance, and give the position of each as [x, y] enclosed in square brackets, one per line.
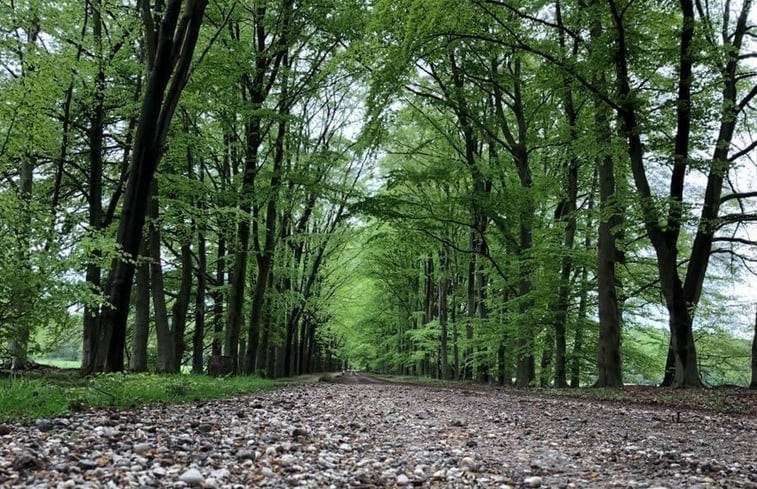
[26, 398]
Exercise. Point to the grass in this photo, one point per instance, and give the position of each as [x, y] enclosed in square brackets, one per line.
[54, 362]
[28, 398]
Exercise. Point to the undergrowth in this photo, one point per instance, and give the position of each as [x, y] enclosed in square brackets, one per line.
[24, 398]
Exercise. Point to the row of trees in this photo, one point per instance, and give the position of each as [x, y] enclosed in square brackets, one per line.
[198, 170]
[552, 165]
[202, 152]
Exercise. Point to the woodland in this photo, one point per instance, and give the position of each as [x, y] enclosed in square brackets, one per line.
[543, 193]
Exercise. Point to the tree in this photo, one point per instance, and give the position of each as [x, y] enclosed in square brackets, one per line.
[170, 46]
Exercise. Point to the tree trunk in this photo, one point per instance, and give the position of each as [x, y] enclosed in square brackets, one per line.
[198, 337]
[171, 48]
[266, 255]
[166, 353]
[93, 274]
[547, 357]
[467, 367]
[180, 307]
[608, 349]
[608, 354]
[578, 339]
[217, 295]
[442, 305]
[753, 384]
[138, 360]
[566, 214]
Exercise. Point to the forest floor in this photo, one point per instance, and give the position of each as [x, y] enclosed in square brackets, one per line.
[361, 431]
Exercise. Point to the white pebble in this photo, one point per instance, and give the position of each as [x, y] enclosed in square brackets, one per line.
[534, 481]
[193, 477]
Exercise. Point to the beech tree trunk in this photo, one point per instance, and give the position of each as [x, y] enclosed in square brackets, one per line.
[170, 49]
[442, 305]
[608, 352]
[181, 307]
[198, 337]
[753, 384]
[93, 274]
[166, 353]
[138, 359]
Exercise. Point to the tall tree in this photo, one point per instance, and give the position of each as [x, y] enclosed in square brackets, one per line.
[170, 45]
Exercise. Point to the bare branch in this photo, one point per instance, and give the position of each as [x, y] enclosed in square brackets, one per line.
[738, 195]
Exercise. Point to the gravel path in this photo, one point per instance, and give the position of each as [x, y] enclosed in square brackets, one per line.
[383, 435]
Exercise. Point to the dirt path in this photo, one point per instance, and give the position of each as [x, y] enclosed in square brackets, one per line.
[361, 432]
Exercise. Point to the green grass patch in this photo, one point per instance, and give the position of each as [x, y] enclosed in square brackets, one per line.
[54, 362]
[29, 398]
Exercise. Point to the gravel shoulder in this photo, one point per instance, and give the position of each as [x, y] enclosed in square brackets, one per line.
[376, 434]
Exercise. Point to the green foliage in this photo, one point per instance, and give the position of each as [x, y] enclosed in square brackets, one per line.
[26, 399]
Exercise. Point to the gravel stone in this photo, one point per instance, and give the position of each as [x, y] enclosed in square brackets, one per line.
[44, 425]
[193, 477]
[533, 481]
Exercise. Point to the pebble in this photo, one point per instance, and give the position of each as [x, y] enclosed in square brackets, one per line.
[193, 477]
[141, 448]
[44, 425]
[533, 481]
[468, 463]
[402, 480]
[86, 464]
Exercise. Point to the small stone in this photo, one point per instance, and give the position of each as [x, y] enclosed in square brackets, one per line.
[205, 428]
[402, 480]
[270, 451]
[220, 474]
[439, 474]
[86, 464]
[141, 448]
[345, 447]
[246, 455]
[468, 464]
[4, 430]
[193, 477]
[299, 433]
[287, 459]
[43, 425]
[533, 481]
[26, 461]
[267, 472]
